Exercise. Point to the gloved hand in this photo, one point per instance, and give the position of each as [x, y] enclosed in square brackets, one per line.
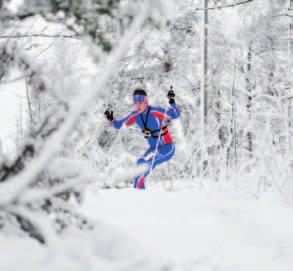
[109, 113]
[171, 95]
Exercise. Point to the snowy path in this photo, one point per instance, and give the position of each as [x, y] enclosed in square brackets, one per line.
[196, 230]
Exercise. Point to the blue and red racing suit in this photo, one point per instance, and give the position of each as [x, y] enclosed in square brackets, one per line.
[151, 121]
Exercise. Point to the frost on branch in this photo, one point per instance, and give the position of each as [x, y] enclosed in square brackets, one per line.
[47, 186]
[12, 56]
[29, 178]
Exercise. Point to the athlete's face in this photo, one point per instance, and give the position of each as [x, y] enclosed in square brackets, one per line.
[141, 106]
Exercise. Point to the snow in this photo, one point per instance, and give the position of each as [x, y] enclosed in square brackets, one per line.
[200, 229]
[193, 226]
[10, 99]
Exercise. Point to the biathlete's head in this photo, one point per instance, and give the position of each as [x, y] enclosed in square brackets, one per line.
[140, 99]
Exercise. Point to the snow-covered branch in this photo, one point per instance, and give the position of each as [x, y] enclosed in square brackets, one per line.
[36, 194]
[9, 191]
[35, 224]
[11, 55]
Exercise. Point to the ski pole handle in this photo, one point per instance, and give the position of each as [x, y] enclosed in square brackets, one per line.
[171, 95]
[109, 107]
[109, 113]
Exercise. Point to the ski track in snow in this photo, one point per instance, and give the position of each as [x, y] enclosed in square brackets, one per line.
[200, 230]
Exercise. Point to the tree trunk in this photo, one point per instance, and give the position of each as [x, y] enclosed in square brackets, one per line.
[204, 63]
[249, 100]
[203, 103]
[288, 106]
[233, 121]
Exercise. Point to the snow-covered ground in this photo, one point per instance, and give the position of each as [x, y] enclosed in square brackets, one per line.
[201, 229]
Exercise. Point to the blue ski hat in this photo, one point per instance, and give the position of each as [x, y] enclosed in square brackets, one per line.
[139, 95]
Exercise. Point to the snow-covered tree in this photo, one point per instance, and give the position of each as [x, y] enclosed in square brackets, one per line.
[41, 177]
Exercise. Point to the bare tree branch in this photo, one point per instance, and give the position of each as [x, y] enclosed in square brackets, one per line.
[285, 38]
[7, 16]
[226, 6]
[39, 36]
[283, 15]
[28, 101]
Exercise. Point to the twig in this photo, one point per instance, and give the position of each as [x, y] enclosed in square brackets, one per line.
[13, 80]
[28, 101]
[225, 6]
[137, 78]
[11, 16]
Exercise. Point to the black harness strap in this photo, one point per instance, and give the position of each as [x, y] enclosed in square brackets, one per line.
[163, 128]
[146, 121]
[149, 132]
[155, 136]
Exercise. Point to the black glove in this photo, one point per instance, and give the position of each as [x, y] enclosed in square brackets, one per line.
[109, 113]
[171, 96]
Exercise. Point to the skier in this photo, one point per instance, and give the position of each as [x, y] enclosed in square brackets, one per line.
[153, 123]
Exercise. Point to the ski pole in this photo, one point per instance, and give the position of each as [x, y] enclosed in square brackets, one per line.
[157, 145]
[93, 133]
